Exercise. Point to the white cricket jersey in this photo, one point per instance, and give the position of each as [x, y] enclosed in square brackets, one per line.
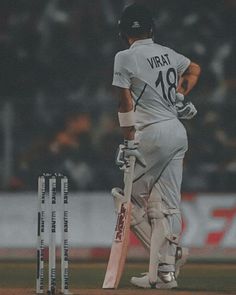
[151, 72]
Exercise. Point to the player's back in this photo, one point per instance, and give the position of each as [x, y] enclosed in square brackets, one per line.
[153, 72]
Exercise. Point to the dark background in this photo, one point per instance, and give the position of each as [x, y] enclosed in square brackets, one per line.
[58, 111]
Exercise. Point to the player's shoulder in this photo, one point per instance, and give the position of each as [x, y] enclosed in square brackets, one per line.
[123, 54]
[124, 57]
[163, 47]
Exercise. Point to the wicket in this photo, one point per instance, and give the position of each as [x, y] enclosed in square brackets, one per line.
[50, 181]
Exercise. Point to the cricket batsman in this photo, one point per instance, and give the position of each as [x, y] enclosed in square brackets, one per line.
[152, 82]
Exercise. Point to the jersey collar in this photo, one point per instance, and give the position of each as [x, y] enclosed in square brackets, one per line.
[142, 42]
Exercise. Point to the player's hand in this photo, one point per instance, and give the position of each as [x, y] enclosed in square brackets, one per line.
[179, 98]
[187, 111]
[129, 148]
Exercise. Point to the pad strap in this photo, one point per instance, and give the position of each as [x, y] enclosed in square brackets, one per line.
[167, 259]
[170, 211]
[156, 209]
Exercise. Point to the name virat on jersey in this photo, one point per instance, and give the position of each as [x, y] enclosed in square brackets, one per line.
[159, 61]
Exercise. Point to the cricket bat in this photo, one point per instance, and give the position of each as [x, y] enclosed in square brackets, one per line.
[120, 242]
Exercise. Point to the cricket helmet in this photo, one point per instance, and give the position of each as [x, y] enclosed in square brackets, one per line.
[135, 21]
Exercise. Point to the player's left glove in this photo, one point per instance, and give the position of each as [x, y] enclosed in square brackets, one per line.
[129, 148]
[186, 110]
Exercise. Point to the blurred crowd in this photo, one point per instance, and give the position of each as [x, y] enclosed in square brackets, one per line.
[56, 72]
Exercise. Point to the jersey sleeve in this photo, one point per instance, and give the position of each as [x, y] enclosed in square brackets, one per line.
[122, 70]
[182, 62]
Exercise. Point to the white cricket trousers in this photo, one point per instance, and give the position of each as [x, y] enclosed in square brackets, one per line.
[163, 146]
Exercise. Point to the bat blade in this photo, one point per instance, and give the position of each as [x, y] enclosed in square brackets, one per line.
[119, 248]
[120, 243]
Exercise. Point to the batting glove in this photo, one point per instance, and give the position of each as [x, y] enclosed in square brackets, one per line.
[129, 148]
[179, 98]
[187, 111]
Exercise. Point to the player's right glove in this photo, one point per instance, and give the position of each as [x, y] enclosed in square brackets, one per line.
[129, 148]
[185, 110]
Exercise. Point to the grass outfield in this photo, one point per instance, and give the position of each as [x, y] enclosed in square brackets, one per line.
[86, 279]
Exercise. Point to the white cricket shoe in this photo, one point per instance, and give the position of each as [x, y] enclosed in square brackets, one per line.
[182, 254]
[164, 281]
[143, 282]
